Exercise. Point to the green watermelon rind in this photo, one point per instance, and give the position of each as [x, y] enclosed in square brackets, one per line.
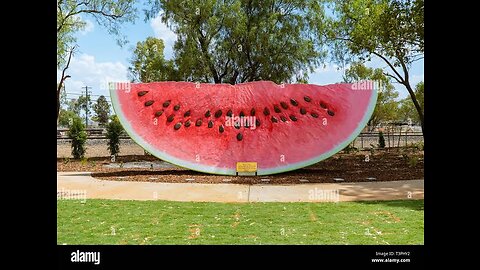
[215, 170]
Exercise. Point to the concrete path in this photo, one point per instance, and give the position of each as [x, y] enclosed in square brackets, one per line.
[82, 183]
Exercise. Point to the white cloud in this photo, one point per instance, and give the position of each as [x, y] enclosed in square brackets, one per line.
[163, 32]
[86, 71]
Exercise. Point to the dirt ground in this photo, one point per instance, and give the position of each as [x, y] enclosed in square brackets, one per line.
[381, 165]
[98, 148]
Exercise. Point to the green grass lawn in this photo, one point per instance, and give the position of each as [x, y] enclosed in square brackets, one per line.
[163, 222]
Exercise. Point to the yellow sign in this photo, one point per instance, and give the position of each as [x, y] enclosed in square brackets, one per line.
[246, 166]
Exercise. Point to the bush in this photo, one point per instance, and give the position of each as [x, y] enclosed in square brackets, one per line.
[114, 130]
[78, 135]
[349, 149]
[412, 161]
[65, 118]
[420, 146]
[381, 140]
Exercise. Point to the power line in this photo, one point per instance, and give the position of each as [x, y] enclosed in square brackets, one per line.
[81, 94]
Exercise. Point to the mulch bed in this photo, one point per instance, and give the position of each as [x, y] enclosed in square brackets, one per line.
[383, 165]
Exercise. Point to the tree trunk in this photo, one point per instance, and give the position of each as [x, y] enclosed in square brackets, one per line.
[58, 100]
[233, 79]
[206, 55]
[415, 102]
[62, 79]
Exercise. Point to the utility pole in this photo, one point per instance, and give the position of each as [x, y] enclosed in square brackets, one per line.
[86, 105]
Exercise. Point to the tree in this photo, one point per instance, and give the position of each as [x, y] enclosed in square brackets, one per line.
[78, 136]
[114, 130]
[149, 64]
[392, 30]
[102, 111]
[386, 107]
[63, 97]
[381, 140]
[239, 41]
[84, 103]
[64, 76]
[407, 110]
[65, 119]
[107, 13]
[73, 106]
[77, 105]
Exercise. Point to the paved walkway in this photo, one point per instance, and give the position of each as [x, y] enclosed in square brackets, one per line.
[127, 190]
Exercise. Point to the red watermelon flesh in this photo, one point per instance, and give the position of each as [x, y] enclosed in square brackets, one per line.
[295, 125]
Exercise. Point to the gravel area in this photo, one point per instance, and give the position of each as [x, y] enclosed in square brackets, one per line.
[98, 148]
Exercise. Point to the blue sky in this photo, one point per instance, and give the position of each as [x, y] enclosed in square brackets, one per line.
[100, 60]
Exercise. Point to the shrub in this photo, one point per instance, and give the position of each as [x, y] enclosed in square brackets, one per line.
[420, 146]
[114, 130]
[349, 149]
[65, 118]
[84, 161]
[66, 160]
[381, 140]
[78, 135]
[412, 161]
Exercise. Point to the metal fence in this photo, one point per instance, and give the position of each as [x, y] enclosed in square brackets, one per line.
[397, 139]
[364, 140]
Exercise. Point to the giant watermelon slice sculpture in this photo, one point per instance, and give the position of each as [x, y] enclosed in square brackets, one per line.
[211, 127]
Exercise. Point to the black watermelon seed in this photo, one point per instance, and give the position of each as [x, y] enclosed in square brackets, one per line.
[331, 113]
[276, 109]
[257, 123]
[187, 113]
[142, 93]
[188, 123]
[236, 125]
[252, 112]
[294, 102]
[307, 98]
[148, 103]
[218, 113]
[274, 119]
[229, 113]
[266, 111]
[293, 118]
[207, 114]
[170, 118]
[176, 107]
[239, 136]
[177, 126]
[283, 118]
[242, 114]
[284, 105]
[210, 124]
[303, 111]
[323, 105]
[221, 129]
[167, 103]
[198, 123]
[314, 115]
[159, 113]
